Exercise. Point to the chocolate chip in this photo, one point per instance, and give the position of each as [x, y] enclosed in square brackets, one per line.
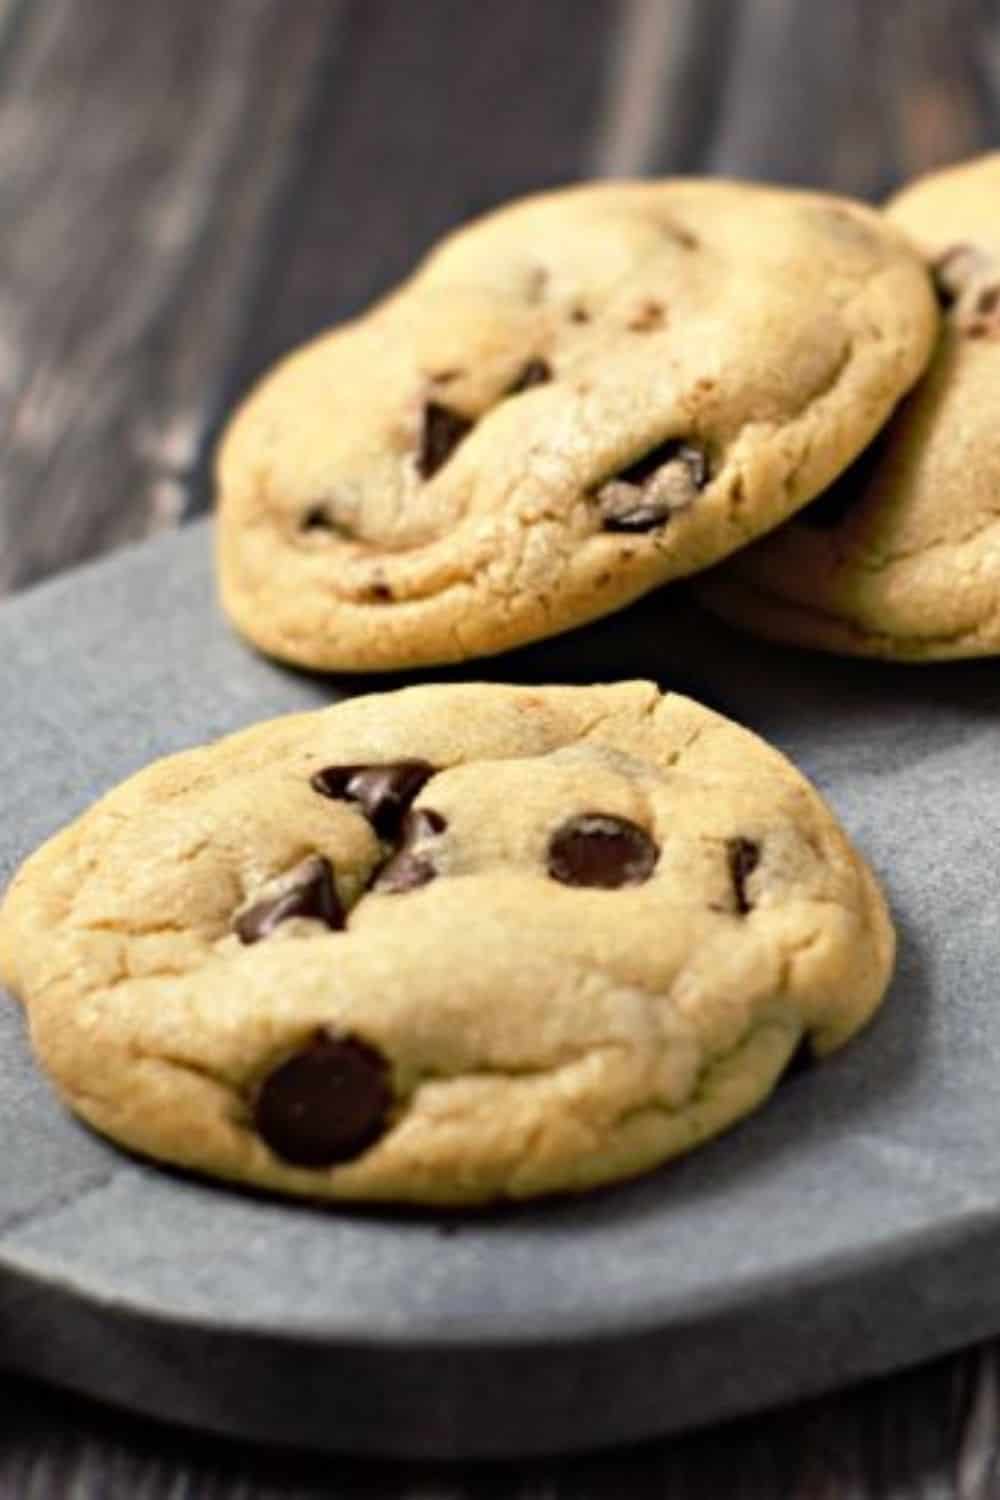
[316, 518]
[383, 792]
[743, 857]
[955, 269]
[579, 314]
[422, 822]
[535, 372]
[622, 511]
[444, 429]
[407, 868]
[404, 872]
[379, 592]
[674, 451]
[649, 491]
[306, 891]
[598, 849]
[327, 1103]
[978, 314]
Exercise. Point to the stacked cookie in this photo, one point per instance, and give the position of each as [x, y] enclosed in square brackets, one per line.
[575, 400]
[458, 943]
[901, 558]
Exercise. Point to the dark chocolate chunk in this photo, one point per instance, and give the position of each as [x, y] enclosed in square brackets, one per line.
[621, 515]
[408, 867]
[535, 372]
[646, 494]
[306, 891]
[404, 872]
[328, 1103]
[599, 849]
[956, 269]
[444, 429]
[674, 451]
[316, 518]
[383, 792]
[743, 857]
[421, 823]
[979, 312]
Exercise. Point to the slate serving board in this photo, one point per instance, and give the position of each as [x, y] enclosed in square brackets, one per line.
[852, 1226]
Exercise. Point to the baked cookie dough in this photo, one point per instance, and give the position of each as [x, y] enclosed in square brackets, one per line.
[573, 400]
[446, 945]
[901, 558]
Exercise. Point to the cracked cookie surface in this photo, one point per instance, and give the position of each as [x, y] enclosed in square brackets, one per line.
[572, 401]
[901, 558]
[449, 944]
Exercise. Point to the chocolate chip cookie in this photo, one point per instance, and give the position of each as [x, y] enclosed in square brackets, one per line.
[901, 558]
[449, 945]
[572, 401]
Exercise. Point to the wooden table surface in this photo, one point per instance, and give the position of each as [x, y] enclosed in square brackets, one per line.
[188, 188]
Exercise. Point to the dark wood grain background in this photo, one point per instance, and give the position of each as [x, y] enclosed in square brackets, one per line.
[186, 189]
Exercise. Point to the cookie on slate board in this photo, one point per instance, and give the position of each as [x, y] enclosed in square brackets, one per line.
[445, 945]
[572, 401]
[901, 558]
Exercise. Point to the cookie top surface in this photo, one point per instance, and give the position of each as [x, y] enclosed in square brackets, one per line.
[445, 945]
[901, 559]
[572, 401]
